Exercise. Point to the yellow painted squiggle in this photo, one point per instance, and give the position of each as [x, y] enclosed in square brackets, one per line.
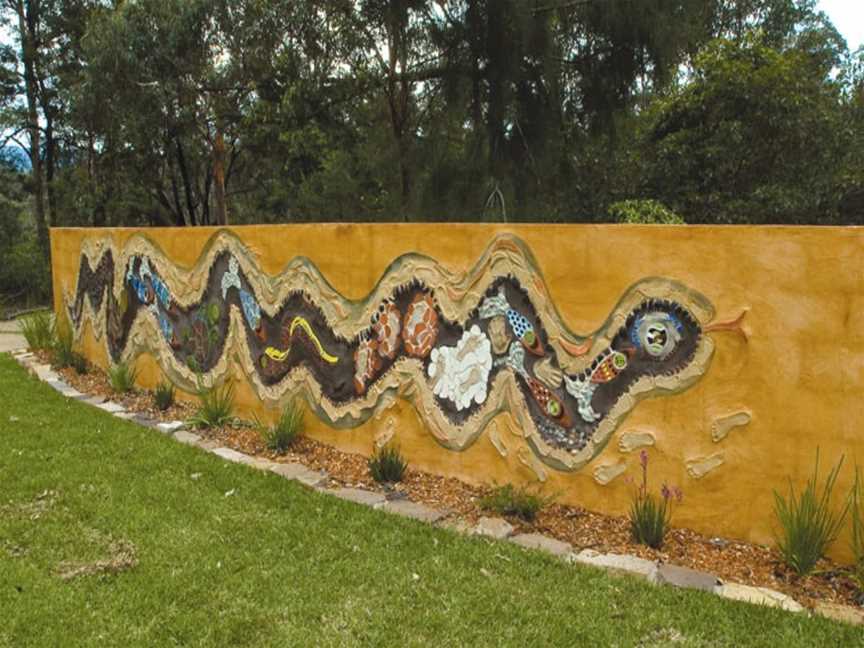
[281, 356]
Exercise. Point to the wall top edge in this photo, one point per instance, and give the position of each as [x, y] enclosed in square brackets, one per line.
[856, 229]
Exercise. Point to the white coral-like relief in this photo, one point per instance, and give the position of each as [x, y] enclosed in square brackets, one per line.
[231, 277]
[461, 374]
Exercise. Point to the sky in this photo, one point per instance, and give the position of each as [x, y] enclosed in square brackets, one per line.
[848, 18]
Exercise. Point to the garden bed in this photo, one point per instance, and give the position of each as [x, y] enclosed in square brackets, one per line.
[730, 560]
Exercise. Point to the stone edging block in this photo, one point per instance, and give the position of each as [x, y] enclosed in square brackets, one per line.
[413, 510]
[170, 427]
[759, 596]
[619, 563]
[232, 455]
[189, 438]
[299, 472]
[842, 613]
[544, 543]
[686, 577]
[110, 407]
[497, 528]
[359, 496]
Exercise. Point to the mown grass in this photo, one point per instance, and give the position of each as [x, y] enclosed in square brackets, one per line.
[225, 556]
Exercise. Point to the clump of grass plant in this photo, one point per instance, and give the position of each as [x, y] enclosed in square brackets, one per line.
[856, 502]
[216, 407]
[387, 465]
[285, 432]
[514, 500]
[808, 525]
[164, 395]
[79, 363]
[122, 377]
[38, 330]
[62, 353]
[651, 514]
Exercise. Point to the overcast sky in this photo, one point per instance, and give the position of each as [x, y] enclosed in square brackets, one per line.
[848, 18]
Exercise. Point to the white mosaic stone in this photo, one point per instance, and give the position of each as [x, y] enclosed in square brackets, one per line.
[460, 374]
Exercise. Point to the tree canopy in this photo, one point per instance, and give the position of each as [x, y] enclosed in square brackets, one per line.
[188, 112]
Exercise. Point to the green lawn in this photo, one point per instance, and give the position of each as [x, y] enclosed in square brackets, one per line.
[230, 556]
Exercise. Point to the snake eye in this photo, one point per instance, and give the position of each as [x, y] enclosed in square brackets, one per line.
[657, 332]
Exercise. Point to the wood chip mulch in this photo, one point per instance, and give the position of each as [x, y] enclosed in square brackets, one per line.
[95, 383]
[730, 560]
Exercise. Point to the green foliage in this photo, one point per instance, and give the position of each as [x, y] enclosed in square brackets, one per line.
[24, 275]
[122, 377]
[38, 329]
[79, 364]
[756, 135]
[514, 500]
[216, 407]
[387, 465]
[62, 353]
[856, 510]
[282, 435]
[164, 395]
[808, 525]
[651, 514]
[643, 212]
[721, 111]
[649, 518]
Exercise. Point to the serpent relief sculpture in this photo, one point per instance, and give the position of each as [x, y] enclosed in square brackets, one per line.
[461, 347]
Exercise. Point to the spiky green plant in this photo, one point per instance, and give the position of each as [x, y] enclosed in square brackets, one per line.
[282, 435]
[808, 525]
[514, 500]
[387, 465]
[164, 395]
[216, 407]
[79, 363]
[856, 502]
[122, 377]
[38, 330]
[62, 353]
[650, 514]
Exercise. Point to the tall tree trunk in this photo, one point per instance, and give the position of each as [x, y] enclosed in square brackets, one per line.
[220, 206]
[27, 18]
[49, 167]
[399, 90]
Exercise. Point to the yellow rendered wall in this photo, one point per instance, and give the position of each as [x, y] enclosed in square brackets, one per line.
[799, 372]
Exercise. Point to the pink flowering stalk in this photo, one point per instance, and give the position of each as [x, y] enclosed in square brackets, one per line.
[649, 514]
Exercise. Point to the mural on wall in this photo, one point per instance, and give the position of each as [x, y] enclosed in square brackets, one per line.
[462, 347]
